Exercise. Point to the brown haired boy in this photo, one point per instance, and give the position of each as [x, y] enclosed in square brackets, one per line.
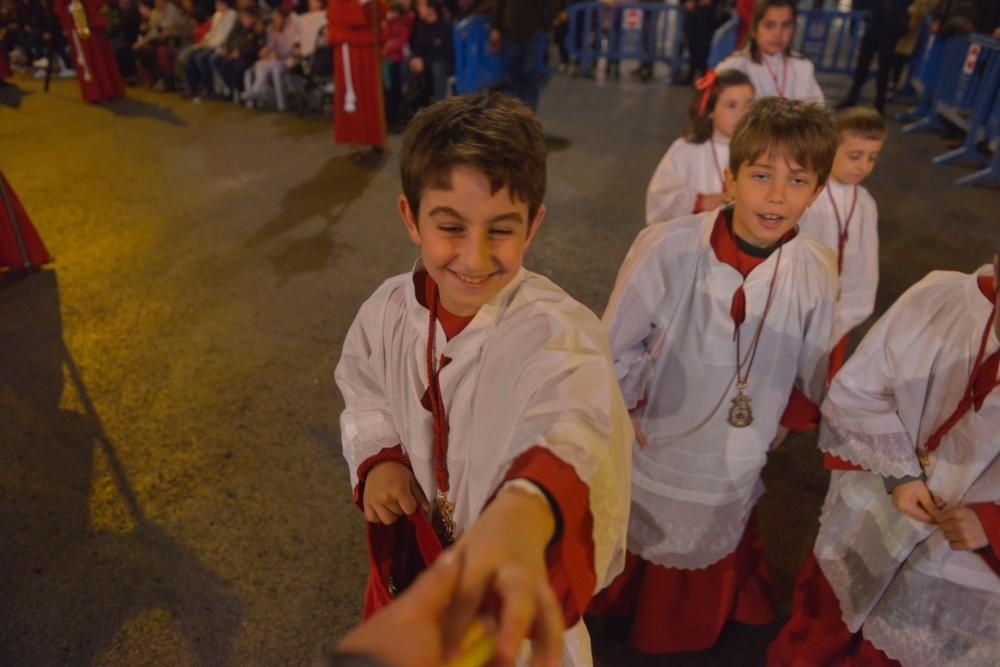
[482, 393]
[720, 327]
[845, 218]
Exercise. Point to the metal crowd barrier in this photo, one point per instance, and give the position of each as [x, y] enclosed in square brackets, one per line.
[830, 39]
[477, 67]
[631, 31]
[723, 41]
[960, 82]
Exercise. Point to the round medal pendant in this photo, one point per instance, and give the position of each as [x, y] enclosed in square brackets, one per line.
[740, 412]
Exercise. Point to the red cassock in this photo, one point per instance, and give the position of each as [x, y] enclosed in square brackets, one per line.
[93, 59]
[20, 246]
[4, 66]
[359, 117]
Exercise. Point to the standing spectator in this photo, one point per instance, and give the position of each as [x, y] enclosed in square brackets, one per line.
[433, 50]
[918, 12]
[396, 30]
[275, 59]
[240, 51]
[195, 61]
[699, 25]
[886, 24]
[519, 28]
[166, 27]
[43, 33]
[309, 24]
[124, 31]
[645, 70]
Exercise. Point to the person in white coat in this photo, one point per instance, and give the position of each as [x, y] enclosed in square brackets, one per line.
[479, 395]
[905, 569]
[768, 59]
[720, 327]
[845, 218]
[690, 177]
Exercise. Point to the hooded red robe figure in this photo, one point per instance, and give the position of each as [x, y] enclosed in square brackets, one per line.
[93, 59]
[4, 66]
[358, 117]
[20, 246]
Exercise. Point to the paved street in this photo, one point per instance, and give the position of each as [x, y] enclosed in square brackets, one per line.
[171, 485]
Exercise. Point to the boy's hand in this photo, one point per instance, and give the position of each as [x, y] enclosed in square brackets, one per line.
[504, 554]
[779, 438]
[640, 437]
[914, 500]
[962, 529]
[391, 491]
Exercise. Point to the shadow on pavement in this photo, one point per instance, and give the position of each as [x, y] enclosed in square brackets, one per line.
[11, 95]
[67, 588]
[128, 107]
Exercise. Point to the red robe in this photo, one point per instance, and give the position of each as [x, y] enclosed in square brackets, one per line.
[5, 72]
[20, 246]
[93, 60]
[358, 113]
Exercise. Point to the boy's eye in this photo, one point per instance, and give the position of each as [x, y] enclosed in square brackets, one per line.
[450, 229]
[501, 231]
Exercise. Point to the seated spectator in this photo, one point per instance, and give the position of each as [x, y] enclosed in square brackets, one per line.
[166, 28]
[196, 60]
[433, 51]
[309, 25]
[396, 31]
[275, 59]
[123, 32]
[240, 51]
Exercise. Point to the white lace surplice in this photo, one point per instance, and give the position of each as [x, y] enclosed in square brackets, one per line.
[915, 598]
[533, 368]
[684, 172]
[672, 339]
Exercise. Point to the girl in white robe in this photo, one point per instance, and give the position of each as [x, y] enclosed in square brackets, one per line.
[768, 59]
[690, 177]
[915, 411]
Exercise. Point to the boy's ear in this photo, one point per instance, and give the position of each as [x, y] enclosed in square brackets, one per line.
[535, 224]
[409, 219]
[730, 183]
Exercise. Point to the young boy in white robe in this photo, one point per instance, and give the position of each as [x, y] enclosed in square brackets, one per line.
[905, 570]
[690, 177]
[845, 218]
[768, 59]
[720, 327]
[483, 395]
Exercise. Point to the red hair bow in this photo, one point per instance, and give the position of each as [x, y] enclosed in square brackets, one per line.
[705, 84]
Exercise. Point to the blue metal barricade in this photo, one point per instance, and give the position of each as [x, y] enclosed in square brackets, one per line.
[991, 174]
[830, 39]
[477, 68]
[941, 76]
[913, 86]
[723, 41]
[631, 31]
[972, 101]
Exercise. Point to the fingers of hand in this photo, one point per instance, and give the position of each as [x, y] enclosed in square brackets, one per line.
[387, 514]
[549, 629]
[517, 613]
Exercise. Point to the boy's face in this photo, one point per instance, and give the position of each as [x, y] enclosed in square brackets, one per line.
[770, 194]
[472, 241]
[775, 31]
[733, 102]
[856, 157]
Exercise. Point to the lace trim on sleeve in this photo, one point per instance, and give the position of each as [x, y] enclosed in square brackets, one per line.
[886, 454]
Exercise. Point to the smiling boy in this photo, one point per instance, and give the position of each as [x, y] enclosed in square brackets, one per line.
[481, 393]
[720, 326]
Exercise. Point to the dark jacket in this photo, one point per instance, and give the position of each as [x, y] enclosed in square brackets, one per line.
[434, 42]
[520, 20]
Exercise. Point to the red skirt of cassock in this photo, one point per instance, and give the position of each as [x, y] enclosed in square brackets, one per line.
[10, 251]
[100, 80]
[674, 610]
[365, 126]
[815, 634]
[5, 72]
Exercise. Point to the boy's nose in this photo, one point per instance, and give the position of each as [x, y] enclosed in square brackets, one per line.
[776, 193]
[476, 256]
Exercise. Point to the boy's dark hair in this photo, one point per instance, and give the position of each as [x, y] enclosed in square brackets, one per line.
[758, 16]
[494, 134]
[802, 131]
[860, 122]
[699, 129]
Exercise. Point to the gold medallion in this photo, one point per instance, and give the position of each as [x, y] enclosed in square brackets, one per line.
[443, 520]
[925, 458]
[740, 412]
